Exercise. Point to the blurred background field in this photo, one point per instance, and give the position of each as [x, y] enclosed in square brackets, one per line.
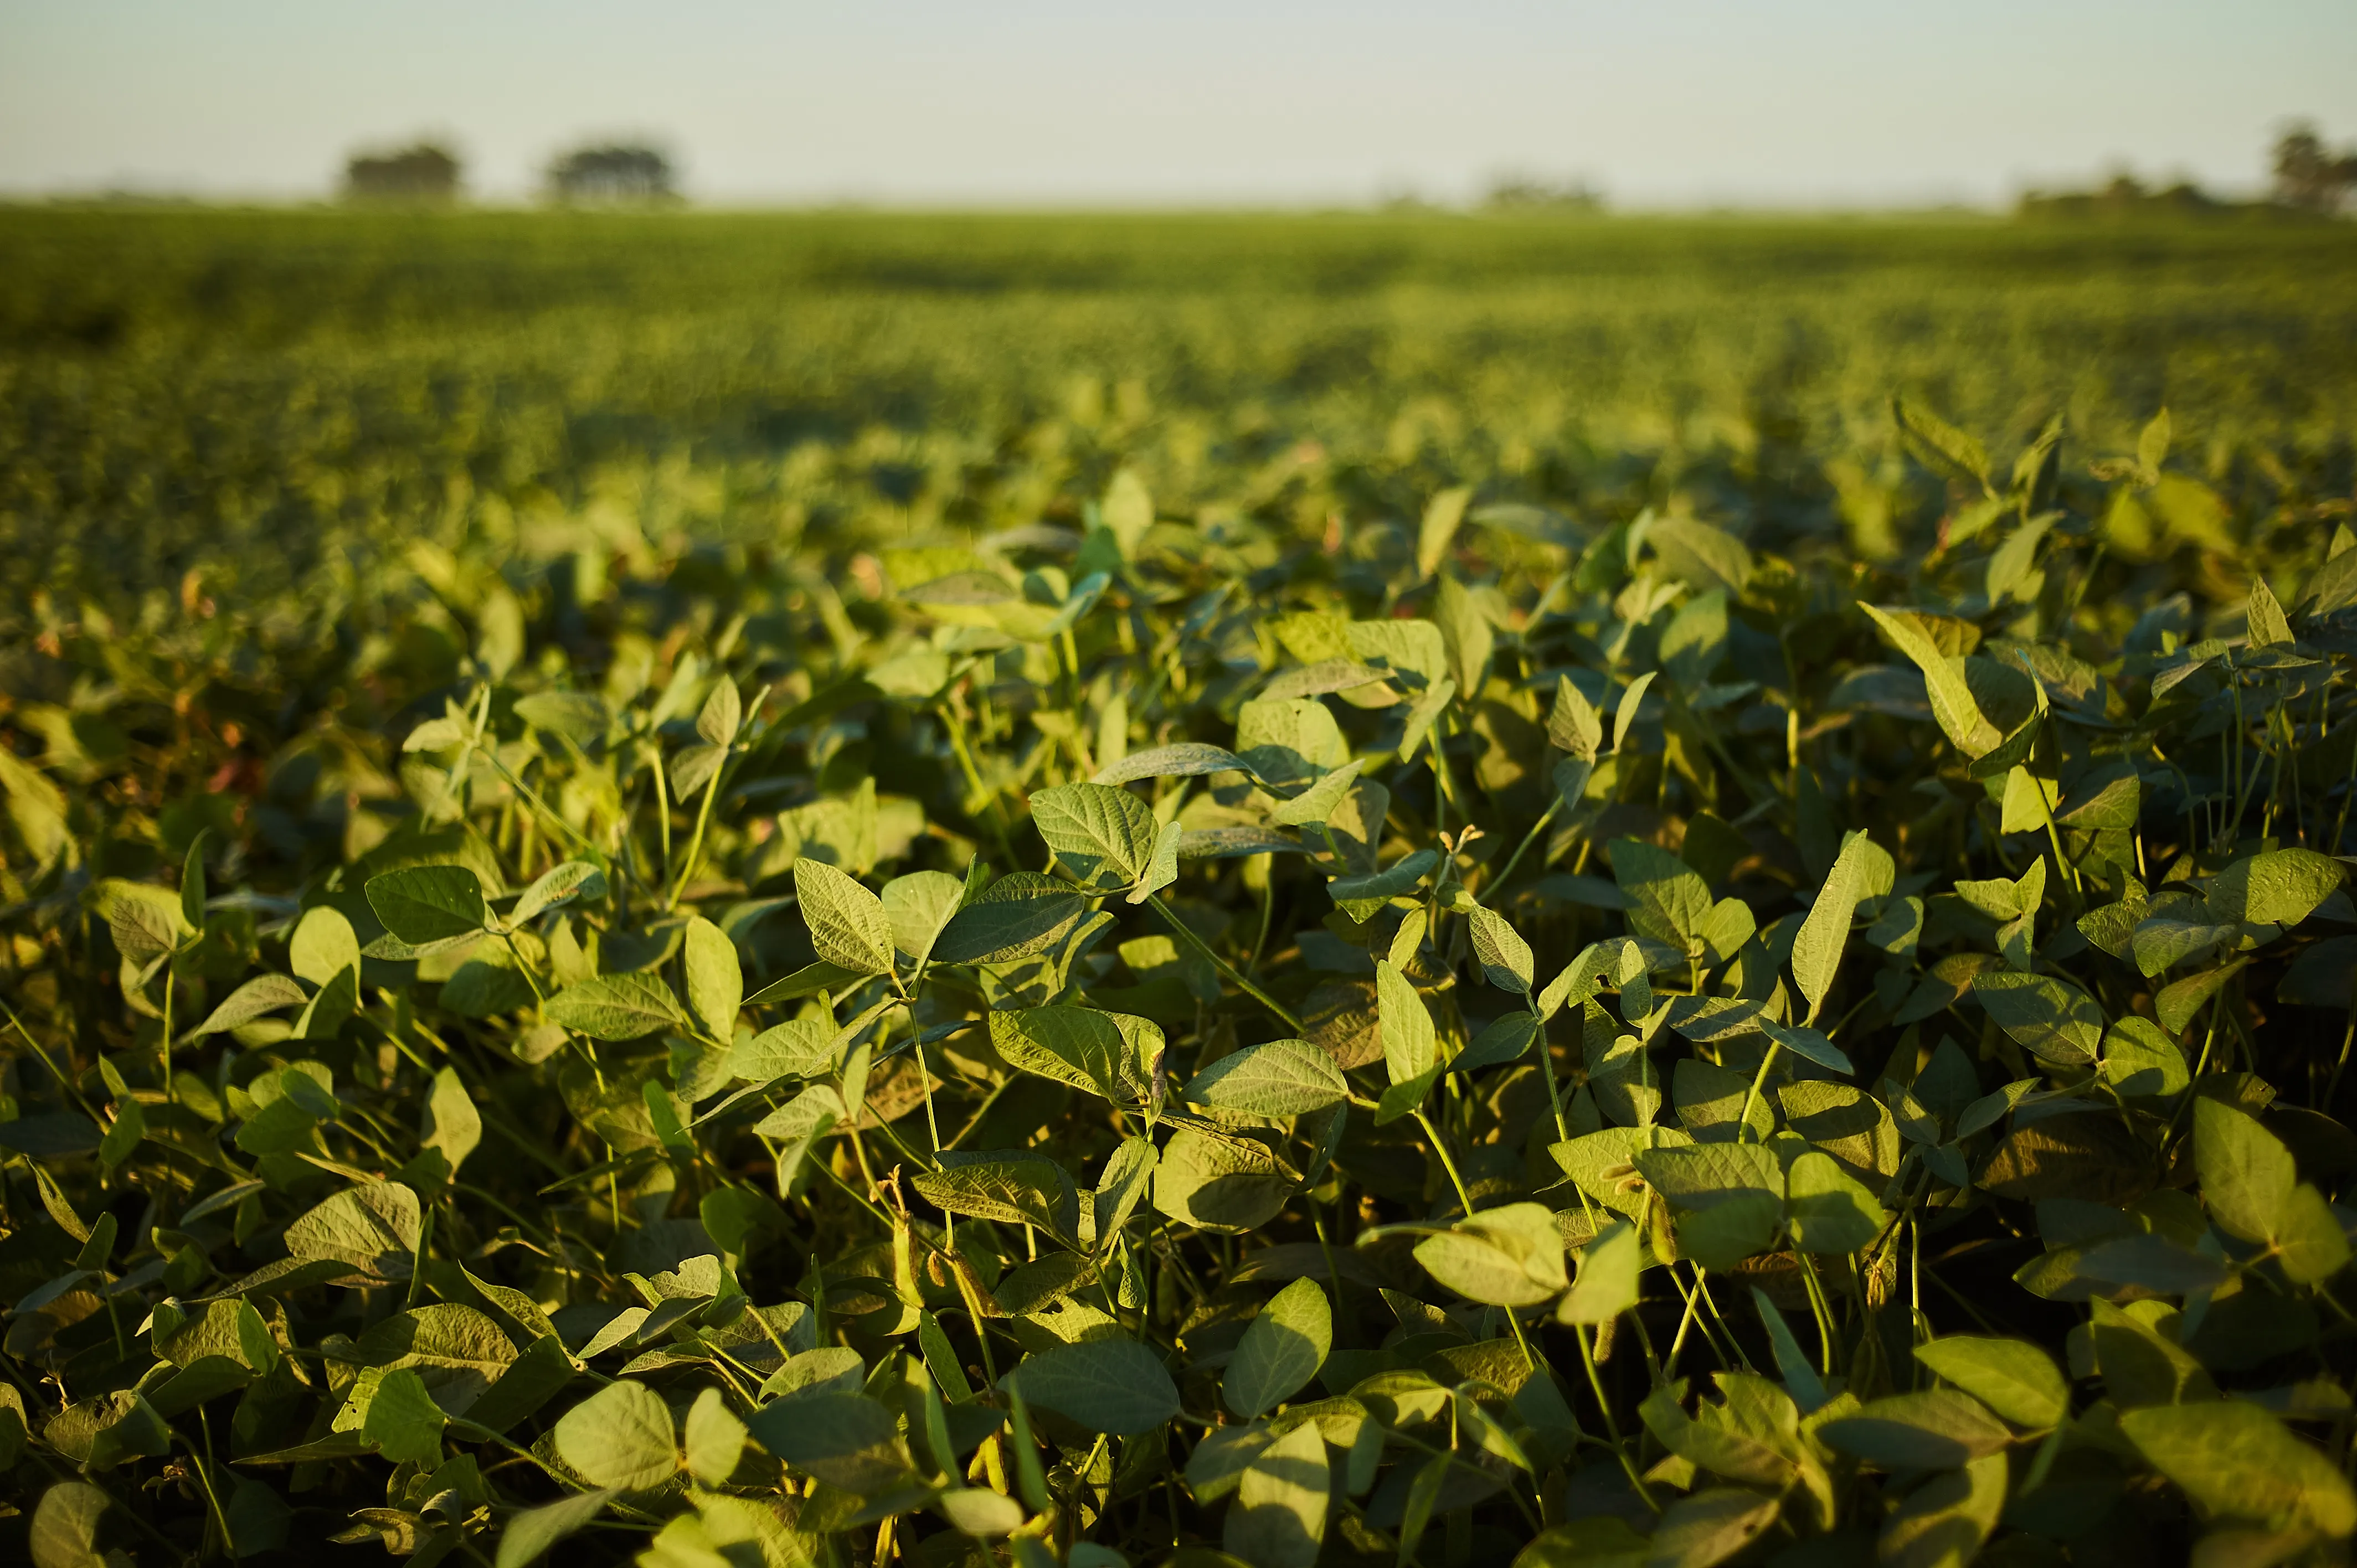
[286, 400]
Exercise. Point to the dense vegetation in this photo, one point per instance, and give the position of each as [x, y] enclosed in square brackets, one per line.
[753, 892]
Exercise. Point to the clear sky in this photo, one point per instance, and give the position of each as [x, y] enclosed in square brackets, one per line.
[1661, 102]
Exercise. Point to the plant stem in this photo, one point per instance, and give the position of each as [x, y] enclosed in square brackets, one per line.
[695, 844]
[1222, 965]
[1751, 1096]
[1440, 1147]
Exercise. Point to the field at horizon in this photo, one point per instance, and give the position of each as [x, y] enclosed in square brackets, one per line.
[271, 394]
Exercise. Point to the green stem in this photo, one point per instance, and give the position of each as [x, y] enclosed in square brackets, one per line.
[695, 844]
[1222, 965]
[65, 1083]
[1751, 1096]
[1611, 1423]
[1515, 859]
[1440, 1147]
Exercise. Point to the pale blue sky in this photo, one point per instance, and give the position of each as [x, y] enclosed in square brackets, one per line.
[1843, 102]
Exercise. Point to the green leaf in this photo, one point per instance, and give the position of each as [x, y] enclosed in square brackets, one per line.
[2235, 1461]
[1944, 1522]
[147, 921]
[1723, 1235]
[2281, 886]
[1510, 1256]
[1938, 1429]
[1600, 1541]
[2048, 1016]
[1703, 1175]
[1107, 1054]
[372, 1228]
[559, 884]
[1443, 514]
[1182, 759]
[1281, 1350]
[1505, 957]
[1940, 445]
[1361, 897]
[1410, 1046]
[617, 1007]
[976, 1511]
[716, 982]
[404, 1422]
[798, 1048]
[577, 715]
[845, 1439]
[917, 906]
[421, 904]
[65, 1526]
[1105, 836]
[1113, 1386]
[2012, 1376]
[619, 1436]
[1121, 1184]
[2264, 617]
[1829, 1211]
[531, 1532]
[1607, 1284]
[1505, 1039]
[1575, 725]
[1163, 870]
[530, 1382]
[1624, 717]
[1710, 1527]
[723, 712]
[2246, 1173]
[1008, 1189]
[2177, 1004]
[2310, 1245]
[2141, 1062]
[807, 981]
[1807, 1043]
[452, 1125]
[263, 994]
[1220, 1183]
[1952, 698]
[1817, 951]
[1276, 1078]
[847, 923]
[1278, 1520]
[715, 1438]
[1020, 914]
[323, 945]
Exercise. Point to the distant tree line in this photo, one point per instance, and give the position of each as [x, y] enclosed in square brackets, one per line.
[428, 173]
[615, 174]
[1526, 193]
[2310, 180]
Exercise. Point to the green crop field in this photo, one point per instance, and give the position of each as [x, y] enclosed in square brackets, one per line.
[815, 891]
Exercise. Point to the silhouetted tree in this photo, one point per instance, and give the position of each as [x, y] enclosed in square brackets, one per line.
[2308, 174]
[426, 172]
[1511, 192]
[629, 173]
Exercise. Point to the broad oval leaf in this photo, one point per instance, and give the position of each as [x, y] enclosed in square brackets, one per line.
[620, 1436]
[2048, 1016]
[1106, 836]
[2012, 1376]
[847, 923]
[1276, 1078]
[1113, 1386]
[422, 904]
[1281, 1350]
[617, 1006]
